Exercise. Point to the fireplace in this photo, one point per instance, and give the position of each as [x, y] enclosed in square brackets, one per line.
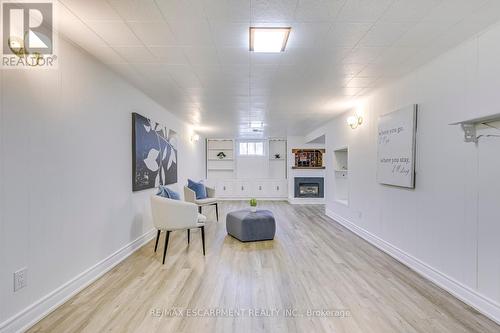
[309, 187]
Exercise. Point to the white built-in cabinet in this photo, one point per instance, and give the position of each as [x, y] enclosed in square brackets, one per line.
[251, 188]
[222, 173]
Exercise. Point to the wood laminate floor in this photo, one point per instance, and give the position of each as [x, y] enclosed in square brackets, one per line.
[316, 276]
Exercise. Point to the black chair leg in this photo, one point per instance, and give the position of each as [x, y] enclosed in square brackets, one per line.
[217, 212]
[203, 238]
[166, 245]
[189, 234]
[199, 209]
[157, 239]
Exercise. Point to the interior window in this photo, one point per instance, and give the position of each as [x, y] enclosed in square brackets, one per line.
[252, 148]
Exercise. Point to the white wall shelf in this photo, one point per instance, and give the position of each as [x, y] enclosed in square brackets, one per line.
[473, 125]
[341, 179]
[220, 168]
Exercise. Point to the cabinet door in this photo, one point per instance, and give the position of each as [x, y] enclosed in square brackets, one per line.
[242, 189]
[278, 189]
[224, 189]
[260, 189]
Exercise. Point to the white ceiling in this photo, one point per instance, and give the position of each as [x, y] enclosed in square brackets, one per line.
[192, 56]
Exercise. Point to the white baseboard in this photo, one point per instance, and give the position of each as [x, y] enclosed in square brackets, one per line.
[467, 295]
[28, 317]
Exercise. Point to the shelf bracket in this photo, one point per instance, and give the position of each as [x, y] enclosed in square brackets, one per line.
[470, 126]
[469, 132]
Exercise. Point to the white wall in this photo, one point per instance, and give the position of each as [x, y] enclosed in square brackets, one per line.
[66, 191]
[448, 227]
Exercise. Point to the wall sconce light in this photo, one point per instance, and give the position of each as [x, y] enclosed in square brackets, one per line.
[354, 121]
[195, 137]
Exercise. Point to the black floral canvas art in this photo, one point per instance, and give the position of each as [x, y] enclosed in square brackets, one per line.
[154, 154]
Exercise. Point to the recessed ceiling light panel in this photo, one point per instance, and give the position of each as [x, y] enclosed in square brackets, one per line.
[270, 40]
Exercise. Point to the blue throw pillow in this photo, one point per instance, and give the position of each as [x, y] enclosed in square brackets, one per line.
[162, 192]
[198, 188]
[165, 192]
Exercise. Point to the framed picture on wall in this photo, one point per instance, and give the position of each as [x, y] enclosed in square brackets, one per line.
[396, 147]
[154, 154]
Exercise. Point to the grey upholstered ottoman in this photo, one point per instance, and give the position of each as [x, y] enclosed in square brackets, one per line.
[248, 226]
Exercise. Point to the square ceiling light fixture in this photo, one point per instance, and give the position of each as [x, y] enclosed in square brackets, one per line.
[268, 39]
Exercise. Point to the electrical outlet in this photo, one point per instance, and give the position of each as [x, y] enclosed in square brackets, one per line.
[20, 279]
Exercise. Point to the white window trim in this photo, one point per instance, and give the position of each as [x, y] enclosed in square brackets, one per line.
[264, 150]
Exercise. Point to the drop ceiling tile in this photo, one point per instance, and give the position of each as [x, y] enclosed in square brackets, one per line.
[262, 71]
[91, 9]
[317, 10]
[207, 71]
[307, 34]
[299, 56]
[137, 10]
[181, 10]
[153, 33]
[135, 54]
[453, 10]
[385, 34]
[201, 55]
[364, 54]
[115, 33]
[228, 10]
[286, 74]
[192, 33]
[346, 34]
[153, 72]
[363, 10]
[233, 56]
[351, 91]
[229, 34]
[240, 71]
[349, 70]
[361, 82]
[395, 55]
[265, 58]
[373, 70]
[335, 54]
[264, 11]
[107, 55]
[169, 55]
[409, 10]
[183, 75]
[367, 91]
[423, 33]
[75, 30]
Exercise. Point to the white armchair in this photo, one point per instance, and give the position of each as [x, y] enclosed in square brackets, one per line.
[170, 215]
[190, 196]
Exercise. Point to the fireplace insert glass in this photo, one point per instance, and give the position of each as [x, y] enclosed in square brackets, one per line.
[309, 190]
[309, 187]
